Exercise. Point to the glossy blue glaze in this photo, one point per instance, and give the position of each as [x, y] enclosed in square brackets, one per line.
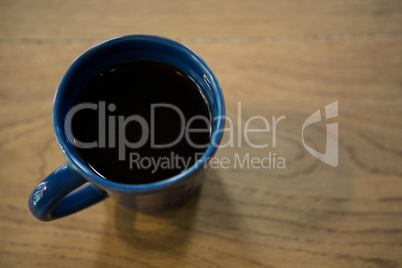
[146, 197]
[52, 198]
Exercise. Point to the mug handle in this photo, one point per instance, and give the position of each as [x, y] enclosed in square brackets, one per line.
[58, 194]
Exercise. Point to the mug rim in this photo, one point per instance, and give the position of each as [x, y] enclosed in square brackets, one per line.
[108, 185]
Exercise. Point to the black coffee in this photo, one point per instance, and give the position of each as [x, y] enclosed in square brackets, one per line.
[148, 121]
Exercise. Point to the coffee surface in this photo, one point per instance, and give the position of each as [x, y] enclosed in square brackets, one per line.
[144, 121]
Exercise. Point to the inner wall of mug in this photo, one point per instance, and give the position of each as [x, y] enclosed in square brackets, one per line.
[130, 48]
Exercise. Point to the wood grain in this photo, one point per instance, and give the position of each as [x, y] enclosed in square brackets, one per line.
[275, 58]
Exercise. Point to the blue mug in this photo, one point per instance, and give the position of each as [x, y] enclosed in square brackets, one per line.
[63, 192]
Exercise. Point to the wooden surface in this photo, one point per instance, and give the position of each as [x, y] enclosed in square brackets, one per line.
[275, 57]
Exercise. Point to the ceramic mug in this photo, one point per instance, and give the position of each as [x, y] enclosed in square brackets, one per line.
[63, 192]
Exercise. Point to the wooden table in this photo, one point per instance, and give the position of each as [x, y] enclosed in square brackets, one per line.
[277, 58]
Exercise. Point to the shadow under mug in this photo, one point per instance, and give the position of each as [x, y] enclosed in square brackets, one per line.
[63, 192]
